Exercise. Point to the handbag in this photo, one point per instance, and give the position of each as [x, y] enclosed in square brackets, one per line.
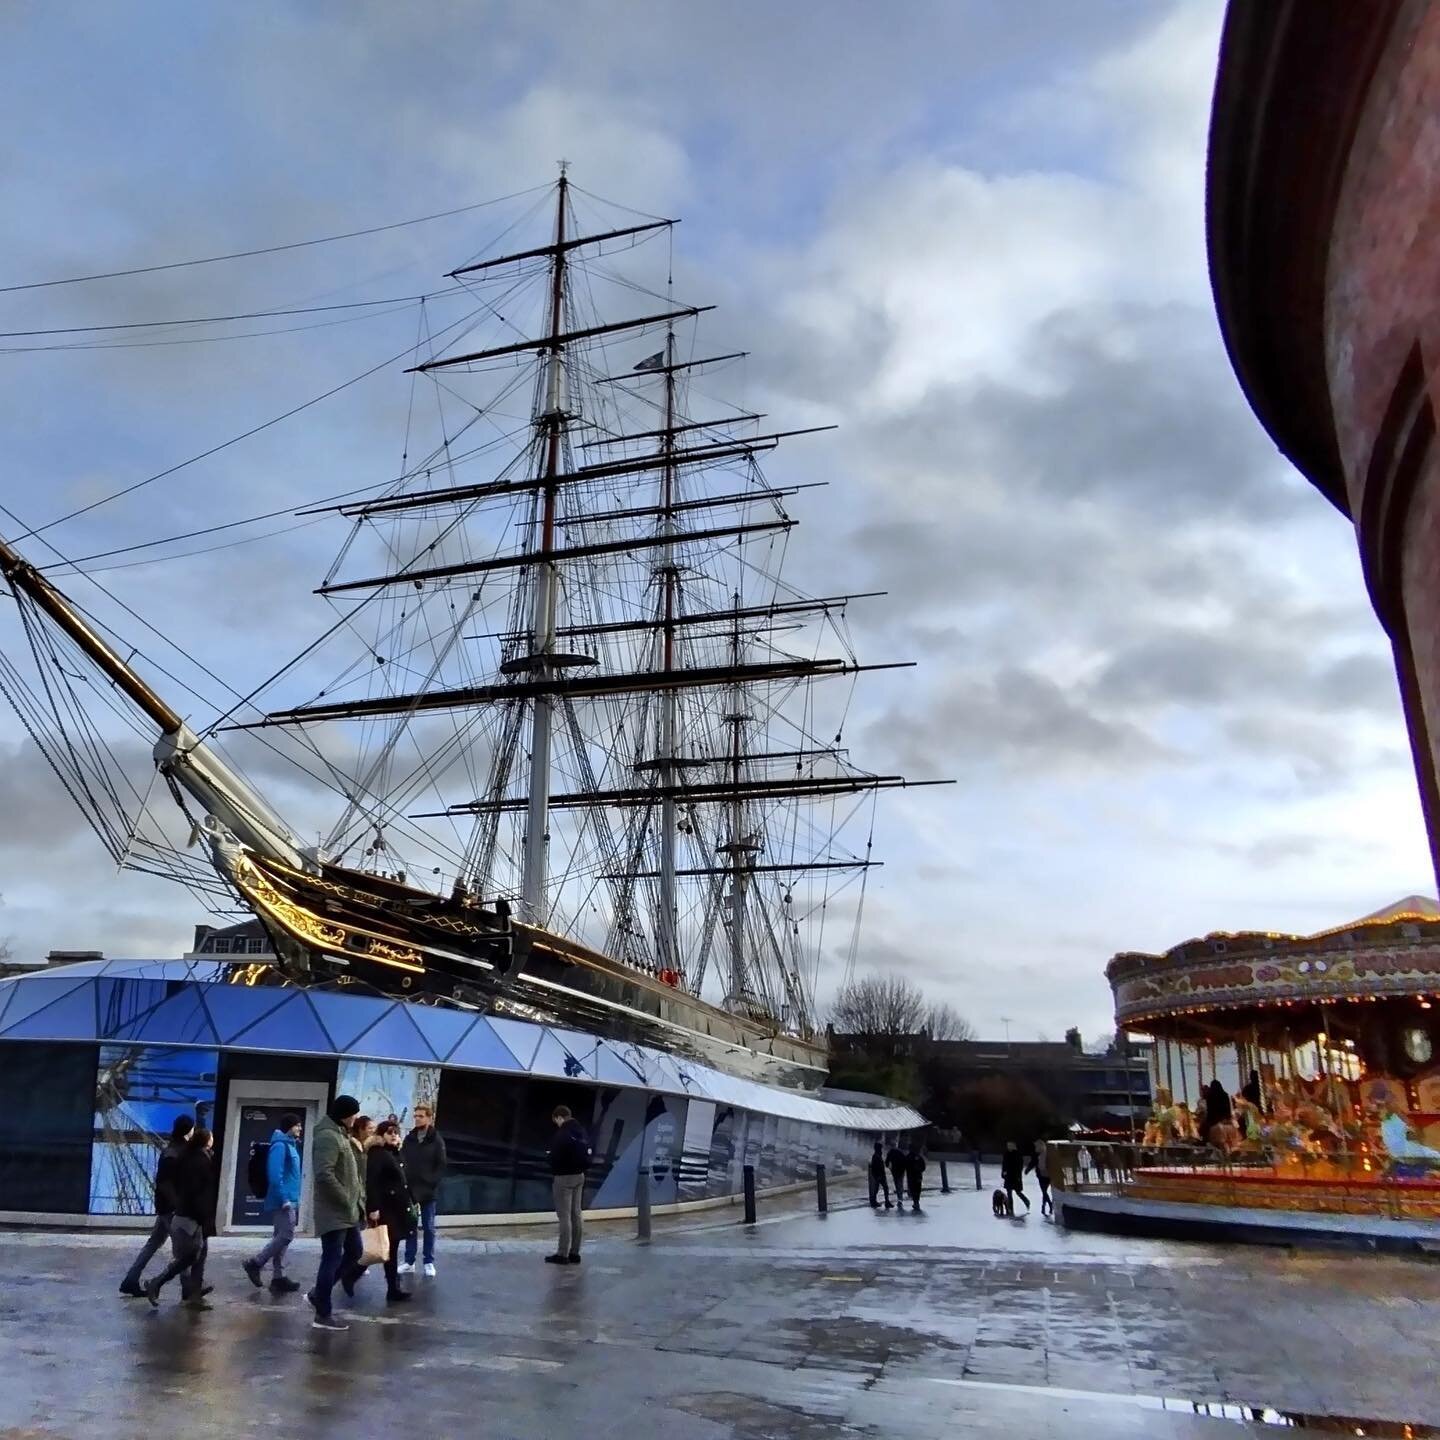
[374, 1245]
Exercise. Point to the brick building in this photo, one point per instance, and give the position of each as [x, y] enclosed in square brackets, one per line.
[1323, 199]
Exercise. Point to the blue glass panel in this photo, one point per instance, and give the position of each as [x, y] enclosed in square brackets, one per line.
[444, 1029]
[180, 1020]
[612, 1066]
[292, 1027]
[520, 1038]
[35, 994]
[71, 1017]
[482, 1049]
[122, 1002]
[234, 1008]
[347, 1017]
[393, 1037]
[566, 1055]
[8, 991]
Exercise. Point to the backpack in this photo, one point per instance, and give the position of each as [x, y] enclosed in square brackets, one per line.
[257, 1170]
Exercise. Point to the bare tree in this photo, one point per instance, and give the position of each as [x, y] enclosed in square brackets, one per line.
[944, 1022]
[4, 940]
[878, 1007]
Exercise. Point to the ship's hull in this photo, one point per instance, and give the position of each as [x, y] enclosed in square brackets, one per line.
[382, 933]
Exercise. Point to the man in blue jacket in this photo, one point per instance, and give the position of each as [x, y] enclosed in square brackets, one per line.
[282, 1199]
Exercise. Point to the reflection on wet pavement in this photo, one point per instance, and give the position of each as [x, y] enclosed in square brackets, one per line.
[852, 1325]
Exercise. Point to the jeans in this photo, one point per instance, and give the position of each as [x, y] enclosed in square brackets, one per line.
[339, 1251]
[427, 1224]
[279, 1242]
[877, 1184]
[569, 1194]
[159, 1234]
[188, 1248]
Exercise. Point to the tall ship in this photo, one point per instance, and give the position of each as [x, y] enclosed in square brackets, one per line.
[586, 743]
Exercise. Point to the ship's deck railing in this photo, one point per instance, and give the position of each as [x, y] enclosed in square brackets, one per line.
[1357, 1182]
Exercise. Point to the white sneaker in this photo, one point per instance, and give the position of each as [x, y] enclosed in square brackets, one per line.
[429, 1272]
[406, 1268]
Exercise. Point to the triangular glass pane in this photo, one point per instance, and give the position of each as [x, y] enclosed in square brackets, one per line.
[71, 1017]
[567, 1055]
[35, 994]
[443, 1029]
[613, 1066]
[292, 1026]
[519, 1035]
[482, 1048]
[393, 1037]
[180, 1020]
[237, 1007]
[347, 1017]
[122, 1002]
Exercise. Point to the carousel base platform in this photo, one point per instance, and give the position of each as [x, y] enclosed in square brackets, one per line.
[1228, 1224]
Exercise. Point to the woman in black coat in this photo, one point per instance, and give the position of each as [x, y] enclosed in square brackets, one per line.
[387, 1192]
[193, 1184]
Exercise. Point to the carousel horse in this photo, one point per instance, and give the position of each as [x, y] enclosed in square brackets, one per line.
[1405, 1154]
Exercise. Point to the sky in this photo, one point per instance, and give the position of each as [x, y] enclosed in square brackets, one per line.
[970, 234]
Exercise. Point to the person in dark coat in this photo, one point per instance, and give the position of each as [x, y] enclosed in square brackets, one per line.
[193, 1223]
[388, 1194]
[895, 1160]
[164, 1207]
[915, 1173]
[1217, 1106]
[1251, 1091]
[1012, 1174]
[569, 1160]
[878, 1181]
[425, 1164]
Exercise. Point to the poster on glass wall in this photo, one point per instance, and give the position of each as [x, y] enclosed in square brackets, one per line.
[387, 1091]
[139, 1090]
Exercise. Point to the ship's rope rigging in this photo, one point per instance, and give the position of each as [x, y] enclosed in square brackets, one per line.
[648, 589]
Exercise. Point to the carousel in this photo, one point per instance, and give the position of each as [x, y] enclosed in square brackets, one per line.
[1294, 1072]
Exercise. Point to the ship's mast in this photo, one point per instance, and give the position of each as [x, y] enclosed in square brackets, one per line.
[551, 425]
[738, 849]
[669, 700]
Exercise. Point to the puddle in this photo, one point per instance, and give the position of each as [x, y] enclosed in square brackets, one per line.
[1221, 1410]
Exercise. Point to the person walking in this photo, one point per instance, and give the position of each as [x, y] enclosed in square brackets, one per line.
[388, 1195]
[339, 1206]
[895, 1160]
[569, 1160]
[1012, 1173]
[1041, 1165]
[192, 1224]
[282, 1201]
[878, 1181]
[425, 1164]
[164, 1207]
[915, 1173]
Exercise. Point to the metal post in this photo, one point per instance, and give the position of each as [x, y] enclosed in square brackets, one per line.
[822, 1199]
[749, 1194]
[944, 1179]
[642, 1204]
[975, 1156]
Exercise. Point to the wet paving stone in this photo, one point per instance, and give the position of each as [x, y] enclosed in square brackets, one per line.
[800, 1329]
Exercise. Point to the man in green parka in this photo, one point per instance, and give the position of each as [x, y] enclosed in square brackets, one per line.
[339, 1205]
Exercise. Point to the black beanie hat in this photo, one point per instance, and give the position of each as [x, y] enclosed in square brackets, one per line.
[289, 1120]
[342, 1107]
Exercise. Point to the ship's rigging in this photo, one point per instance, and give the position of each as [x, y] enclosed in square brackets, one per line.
[633, 725]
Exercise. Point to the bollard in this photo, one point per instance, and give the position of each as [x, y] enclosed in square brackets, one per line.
[821, 1197]
[975, 1155]
[749, 1194]
[944, 1179]
[642, 1205]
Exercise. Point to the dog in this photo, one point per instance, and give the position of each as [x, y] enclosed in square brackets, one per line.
[1002, 1204]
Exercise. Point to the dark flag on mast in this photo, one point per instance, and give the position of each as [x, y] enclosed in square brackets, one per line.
[653, 362]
